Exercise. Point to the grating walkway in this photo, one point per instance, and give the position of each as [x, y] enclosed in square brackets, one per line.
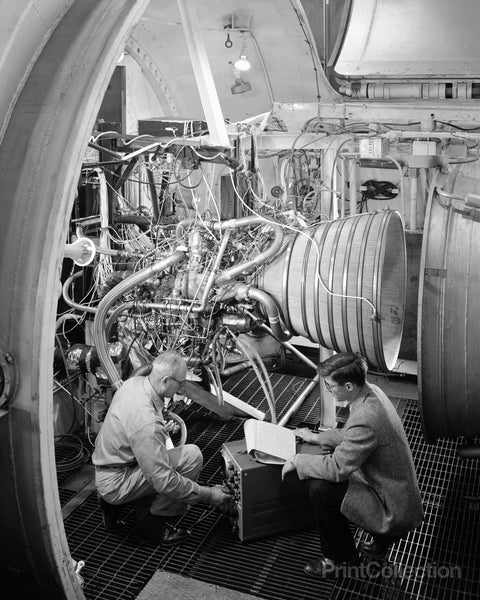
[440, 560]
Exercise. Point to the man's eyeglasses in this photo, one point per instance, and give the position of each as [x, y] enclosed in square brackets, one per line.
[180, 383]
[329, 387]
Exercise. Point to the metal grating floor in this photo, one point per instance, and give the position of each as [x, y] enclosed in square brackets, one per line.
[440, 560]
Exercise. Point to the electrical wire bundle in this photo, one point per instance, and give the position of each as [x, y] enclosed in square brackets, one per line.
[376, 190]
[70, 452]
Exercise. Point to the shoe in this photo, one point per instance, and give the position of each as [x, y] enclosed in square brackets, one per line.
[110, 514]
[173, 535]
[377, 547]
[326, 567]
[155, 529]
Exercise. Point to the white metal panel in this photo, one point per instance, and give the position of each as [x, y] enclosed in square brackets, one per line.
[411, 38]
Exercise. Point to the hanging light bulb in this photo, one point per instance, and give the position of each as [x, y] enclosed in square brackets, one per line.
[242, 63]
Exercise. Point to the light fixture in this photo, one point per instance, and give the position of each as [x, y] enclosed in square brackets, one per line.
[240, 86]
[242, 63]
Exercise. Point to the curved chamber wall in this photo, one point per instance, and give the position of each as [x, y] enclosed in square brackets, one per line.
[449, 327]
[343, 285]
[55, 94]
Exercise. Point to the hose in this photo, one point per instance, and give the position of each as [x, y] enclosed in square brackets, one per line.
[183, 428]
[258, 372]
[99, 323]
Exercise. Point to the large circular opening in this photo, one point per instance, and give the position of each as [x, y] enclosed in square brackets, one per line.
[41, 152]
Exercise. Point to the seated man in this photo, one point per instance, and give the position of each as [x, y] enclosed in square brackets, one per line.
[366, 474]
[133, 464]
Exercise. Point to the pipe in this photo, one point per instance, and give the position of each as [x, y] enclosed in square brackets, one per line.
[342, 186]
[353, 187]
[213, 273]
[402, 196]
[235, 369]
[258, 260]
[285, 344]
[261, 258]
[105, 150]
[244, 292]
[448, 195]
[99, 337]
[400, 133]
[292, 349]
[300, 400]
[142, 222]
[69, 301]
[171, 416]
[175, 304]
[109, 251]
[413, 199]
[113, 315]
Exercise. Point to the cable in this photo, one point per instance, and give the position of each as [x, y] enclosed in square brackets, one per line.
[315, 245]
[136, 138]
[203, 516]
[76, 447]
[69, 381]
[379, 190]
[458, 126]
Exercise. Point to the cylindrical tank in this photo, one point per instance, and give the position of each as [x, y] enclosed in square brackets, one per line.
[448, 323]
[343, 285]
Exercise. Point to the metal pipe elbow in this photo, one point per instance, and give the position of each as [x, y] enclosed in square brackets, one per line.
[273, 312]
[261, 259]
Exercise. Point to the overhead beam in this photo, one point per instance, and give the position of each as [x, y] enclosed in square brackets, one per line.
[203, 73]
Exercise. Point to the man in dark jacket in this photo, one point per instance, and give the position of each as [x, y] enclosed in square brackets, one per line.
[365, 473]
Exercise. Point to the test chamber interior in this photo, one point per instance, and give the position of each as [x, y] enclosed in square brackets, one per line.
[40, 186]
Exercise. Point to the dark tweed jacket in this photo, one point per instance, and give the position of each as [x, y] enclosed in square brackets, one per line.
[372, 452]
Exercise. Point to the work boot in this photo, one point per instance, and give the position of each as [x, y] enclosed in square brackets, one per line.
[156, 530]
[110, 514]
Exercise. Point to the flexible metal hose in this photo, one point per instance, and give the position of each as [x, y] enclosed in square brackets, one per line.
[99, 323]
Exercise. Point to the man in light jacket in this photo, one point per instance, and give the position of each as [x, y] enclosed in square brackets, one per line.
[365, 473]
[134, 463]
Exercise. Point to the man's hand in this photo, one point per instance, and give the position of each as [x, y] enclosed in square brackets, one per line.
[221, 498]
[287, 468]
[306, 435]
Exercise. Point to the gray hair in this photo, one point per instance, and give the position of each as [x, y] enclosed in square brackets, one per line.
[167, 363]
